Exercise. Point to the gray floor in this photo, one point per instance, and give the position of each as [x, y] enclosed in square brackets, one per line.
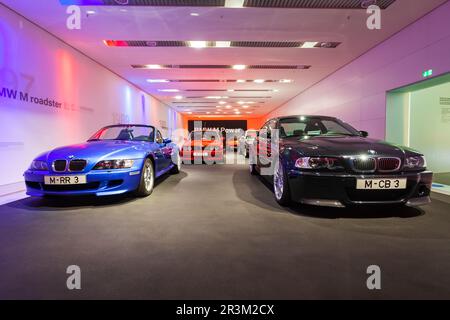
[216, 233]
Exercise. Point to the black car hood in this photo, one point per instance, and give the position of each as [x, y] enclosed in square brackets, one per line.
[344, 146]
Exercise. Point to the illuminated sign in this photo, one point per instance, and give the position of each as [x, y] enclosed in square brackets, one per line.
[427, 73]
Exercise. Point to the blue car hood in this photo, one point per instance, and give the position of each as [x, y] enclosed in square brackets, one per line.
[100, 150]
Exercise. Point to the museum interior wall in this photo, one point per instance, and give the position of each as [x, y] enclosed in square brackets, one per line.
[357, 92]
[53, 95]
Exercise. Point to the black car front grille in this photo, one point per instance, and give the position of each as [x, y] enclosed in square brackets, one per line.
[59, 165]
[75, 187]
[77, 165]
[388, 164]
[364, 164]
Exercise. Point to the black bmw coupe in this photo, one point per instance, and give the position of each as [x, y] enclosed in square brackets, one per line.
[323, 161]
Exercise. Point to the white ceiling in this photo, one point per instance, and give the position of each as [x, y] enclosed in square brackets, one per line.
[214, 24]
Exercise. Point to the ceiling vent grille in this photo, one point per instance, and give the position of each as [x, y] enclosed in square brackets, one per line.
[167, 3]
[213, 44]
[315, 4]
[213, 66]
[289, 4]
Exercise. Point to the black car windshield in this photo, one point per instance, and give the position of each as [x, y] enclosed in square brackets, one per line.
[125, 133]
[308, 126]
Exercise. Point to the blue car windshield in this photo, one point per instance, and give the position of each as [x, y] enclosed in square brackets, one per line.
[125, 133]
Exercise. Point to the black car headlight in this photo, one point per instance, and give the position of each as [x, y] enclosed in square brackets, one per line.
[39, 165]
[114, 164]
[315, 163]
[415, 162]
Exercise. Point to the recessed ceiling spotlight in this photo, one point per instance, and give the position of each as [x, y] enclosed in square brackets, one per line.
[276, 90]
[168, 90]
[241, 81]
[241, 102]
[179, 97]
[198, 44]
[234, 3]
[260, 81]
[222, 102]
[245, 107]
[208, 112]
[189, 112]
[230, 90]
[285, 81]
[195, 14]
[213, 97]
[237, 112]
[228, 107]
[239, 67]
[308, 45]
[153, 66]
[249, 112]
[157, 81]
[223, 44]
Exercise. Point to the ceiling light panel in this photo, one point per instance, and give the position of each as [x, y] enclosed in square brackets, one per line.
[221, 44]
[289, 4]
[235, 67]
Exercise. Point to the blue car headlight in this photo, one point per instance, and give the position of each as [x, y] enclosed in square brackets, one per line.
[415, 163]
[114, 164]
[39, 165]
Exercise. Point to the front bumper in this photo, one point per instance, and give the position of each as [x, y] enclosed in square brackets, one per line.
[339, 189]
[99, 183]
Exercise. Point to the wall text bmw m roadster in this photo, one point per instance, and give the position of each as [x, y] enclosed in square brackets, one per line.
[115, 160]
[324, 161]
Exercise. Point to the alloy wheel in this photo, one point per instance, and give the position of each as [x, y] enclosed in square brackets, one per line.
[278, 181]
[148, 176]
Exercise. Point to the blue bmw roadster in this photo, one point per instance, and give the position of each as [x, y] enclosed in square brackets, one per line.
[115, 160]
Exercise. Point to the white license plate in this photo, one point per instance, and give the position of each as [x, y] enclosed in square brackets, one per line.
[64, 180]
[200, 154]
[381, 184]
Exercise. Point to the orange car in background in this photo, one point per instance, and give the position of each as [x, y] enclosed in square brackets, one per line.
[203, 147]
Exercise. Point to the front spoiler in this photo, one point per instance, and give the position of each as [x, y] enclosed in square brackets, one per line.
[330, 189]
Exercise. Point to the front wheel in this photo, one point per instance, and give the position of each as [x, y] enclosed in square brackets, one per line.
[253, 170]
[281, 186]
[176, 165]
[147, 179]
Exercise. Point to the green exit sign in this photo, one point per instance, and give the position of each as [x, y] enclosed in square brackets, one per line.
[427, 73]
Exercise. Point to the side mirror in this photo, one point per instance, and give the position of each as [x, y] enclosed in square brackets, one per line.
[364, 134]
[167, 141]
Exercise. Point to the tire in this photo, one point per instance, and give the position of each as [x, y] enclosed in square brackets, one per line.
[253, 170]
[247, 153]
[281, 185]
[177, 166]
[147, 182]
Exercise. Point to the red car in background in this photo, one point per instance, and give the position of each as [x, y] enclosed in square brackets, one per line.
[203, 147]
